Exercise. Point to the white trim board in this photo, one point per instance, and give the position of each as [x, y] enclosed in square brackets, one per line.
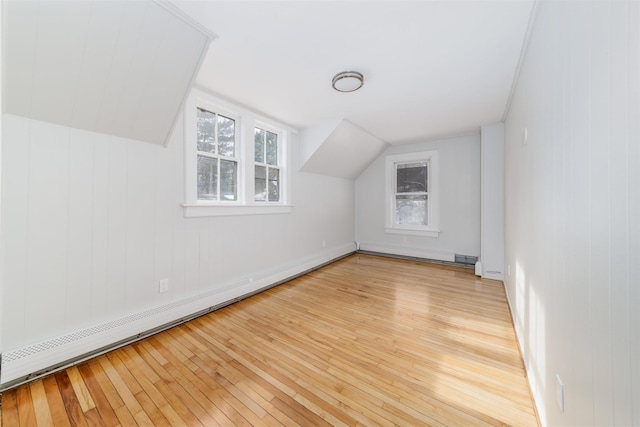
[435, 254]
[541, 414]
[28, 363]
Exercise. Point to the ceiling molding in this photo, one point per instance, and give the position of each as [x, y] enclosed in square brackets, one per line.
[186, 18]
[523, 54]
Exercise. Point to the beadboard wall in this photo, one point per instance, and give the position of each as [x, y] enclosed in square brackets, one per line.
[92, 222]
[573, 212]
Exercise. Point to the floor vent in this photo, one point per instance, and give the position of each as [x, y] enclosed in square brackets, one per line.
[466, 259]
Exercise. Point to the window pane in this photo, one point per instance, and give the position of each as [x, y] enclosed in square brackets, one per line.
[207, 178]
[226, 136]
[228, 179]
[411, 210]
[274, 185]
[411, 177]
[272, 148]
[206, 131]
[261, 184]
[259, 145]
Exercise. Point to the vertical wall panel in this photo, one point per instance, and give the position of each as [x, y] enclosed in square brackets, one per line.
[100, 230]
[619, 220]
[80, 229]
[492, 201]
[576, 247]
[163, 220]
[117, 228]
[175, 194]
[192, 257]
[47, 235]
[204, 266]
[599, 185]
[141, 192]
[579, 384]
[15, 206]
[633, 160]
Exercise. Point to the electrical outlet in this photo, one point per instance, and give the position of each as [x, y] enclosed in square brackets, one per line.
[509, 270]
[559, 393]
[163, 285]
[525, 136]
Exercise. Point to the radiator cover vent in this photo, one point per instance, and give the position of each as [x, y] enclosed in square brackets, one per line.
[466, 259]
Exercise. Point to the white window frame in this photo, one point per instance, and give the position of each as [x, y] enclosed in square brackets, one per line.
[219, 111]
[246, 121]
[433, 205]
[279, 135]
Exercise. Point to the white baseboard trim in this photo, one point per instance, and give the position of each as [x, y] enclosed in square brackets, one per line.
[25, 364]
[435, 254]
[493, 276]
[530, 380]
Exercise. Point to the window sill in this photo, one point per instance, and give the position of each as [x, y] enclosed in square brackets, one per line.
[412, 231]
[199, 211]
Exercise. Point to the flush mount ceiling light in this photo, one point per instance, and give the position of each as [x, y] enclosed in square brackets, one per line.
[347, 81]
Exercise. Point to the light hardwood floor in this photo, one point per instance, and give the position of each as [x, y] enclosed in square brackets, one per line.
[365, 341]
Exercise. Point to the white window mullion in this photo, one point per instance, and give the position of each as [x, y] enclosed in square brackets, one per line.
[217, 148]
[419, 208]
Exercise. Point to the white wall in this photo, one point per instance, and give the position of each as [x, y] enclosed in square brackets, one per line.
[1, 261]
[492, 201]
[573, 211]
[459, 201]
[92, 222]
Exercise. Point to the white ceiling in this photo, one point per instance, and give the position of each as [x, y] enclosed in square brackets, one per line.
[432, 68]
[120, 68]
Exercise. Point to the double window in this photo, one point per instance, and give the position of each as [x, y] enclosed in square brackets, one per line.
[217, 160]
[235, 160]
[267, 169]
[412, 193]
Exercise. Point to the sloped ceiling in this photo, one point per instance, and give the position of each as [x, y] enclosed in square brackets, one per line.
[117, 67]
[338, 149]
[431, 68]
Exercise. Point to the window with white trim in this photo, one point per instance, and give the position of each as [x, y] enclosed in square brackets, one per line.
[412, 194]
[267, 168]
[217, 160]
[236, 161]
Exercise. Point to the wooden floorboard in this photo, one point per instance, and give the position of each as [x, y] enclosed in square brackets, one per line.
[365, 341]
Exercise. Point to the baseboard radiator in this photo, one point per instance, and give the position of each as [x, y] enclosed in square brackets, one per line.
[35, 361]
[425, 255]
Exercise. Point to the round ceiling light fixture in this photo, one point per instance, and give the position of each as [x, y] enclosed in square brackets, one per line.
[347, 81]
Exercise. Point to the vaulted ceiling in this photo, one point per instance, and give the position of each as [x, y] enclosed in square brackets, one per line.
[117, 67]
[431, 68]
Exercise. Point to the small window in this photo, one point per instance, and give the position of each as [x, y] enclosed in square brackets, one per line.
[267, 168]
[412, 193]
[217, 160]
